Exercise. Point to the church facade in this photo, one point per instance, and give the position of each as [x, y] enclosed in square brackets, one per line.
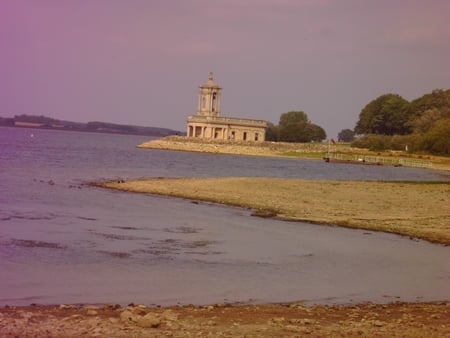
[209, 124]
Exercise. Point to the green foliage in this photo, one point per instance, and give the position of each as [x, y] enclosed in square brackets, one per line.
[293, 117]
[384, 142]
[301, 132]
[372, 142]
[425, 121]
[272, 133]
[422, 124]
[437, 99]
[316, 133]
[386, 115]
[300, 154]
[293, 132]
[437, 139]
[346, 135]
[428, 109]
[295, 126]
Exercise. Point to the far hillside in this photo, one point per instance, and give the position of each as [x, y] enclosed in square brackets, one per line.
[44, 122]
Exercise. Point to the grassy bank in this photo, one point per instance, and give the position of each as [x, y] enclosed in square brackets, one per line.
[419, 210]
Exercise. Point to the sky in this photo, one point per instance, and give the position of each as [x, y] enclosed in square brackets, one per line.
[141, 61]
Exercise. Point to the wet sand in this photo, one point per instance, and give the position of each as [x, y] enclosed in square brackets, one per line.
[414, 209]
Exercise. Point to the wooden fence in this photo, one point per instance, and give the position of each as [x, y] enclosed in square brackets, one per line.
[392, 161]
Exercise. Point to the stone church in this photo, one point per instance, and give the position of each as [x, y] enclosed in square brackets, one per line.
[209, 124]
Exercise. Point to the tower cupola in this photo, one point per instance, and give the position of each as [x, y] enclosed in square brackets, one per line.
[209, 98]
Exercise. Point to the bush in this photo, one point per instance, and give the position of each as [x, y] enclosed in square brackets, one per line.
[437, 139]
[372, 142]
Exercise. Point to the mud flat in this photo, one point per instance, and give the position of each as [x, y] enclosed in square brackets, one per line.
[414, 209]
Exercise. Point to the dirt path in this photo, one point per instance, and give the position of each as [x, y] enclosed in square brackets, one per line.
[418, 210]
[293, 320]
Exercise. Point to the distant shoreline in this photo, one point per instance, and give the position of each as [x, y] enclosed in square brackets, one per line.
[95, 127]
[308, 151]
[76, 131]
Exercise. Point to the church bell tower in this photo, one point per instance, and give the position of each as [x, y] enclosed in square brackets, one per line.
[209, 98]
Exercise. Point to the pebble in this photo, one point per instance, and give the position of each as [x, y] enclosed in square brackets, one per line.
[277, 320]
[128, 316]
[92, 312]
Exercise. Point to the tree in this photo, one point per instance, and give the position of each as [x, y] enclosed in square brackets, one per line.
[272, 132]
[301, 132]
[293, 117]
[346, 135]
[428, 109]
[293, 132]
[438, 98]
[392, 123]
[295, 126]
[386, 115]
[437, 139]
[425, 121]
[315, 133]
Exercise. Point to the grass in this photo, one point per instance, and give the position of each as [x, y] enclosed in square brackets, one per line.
[310, 155]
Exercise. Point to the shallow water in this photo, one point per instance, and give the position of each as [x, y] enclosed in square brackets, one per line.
[62, 241]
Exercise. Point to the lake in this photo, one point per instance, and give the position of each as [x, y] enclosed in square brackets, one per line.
[63, 241]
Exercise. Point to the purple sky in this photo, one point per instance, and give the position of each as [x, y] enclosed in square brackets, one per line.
[141, 61]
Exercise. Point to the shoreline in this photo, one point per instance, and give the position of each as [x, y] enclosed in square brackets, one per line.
[391, 207]
[270, 320]
[305, 151]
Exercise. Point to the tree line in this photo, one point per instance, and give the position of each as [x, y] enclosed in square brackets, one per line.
[391, 122]
[388, 122]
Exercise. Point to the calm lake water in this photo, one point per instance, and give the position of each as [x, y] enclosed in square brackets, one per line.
[62, 241]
